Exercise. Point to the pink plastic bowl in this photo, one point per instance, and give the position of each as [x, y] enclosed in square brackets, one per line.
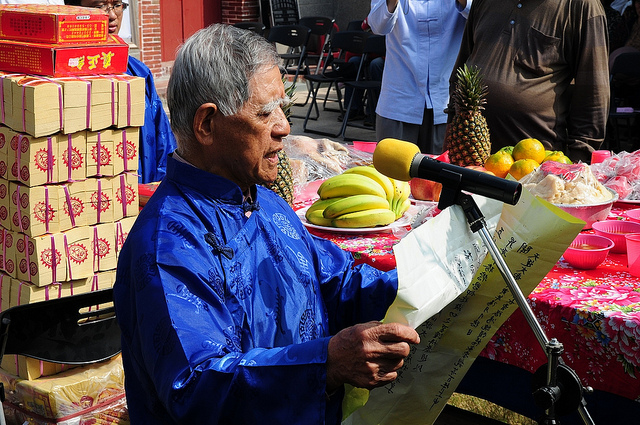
[633, 215]
[615, 230]
[587, 251]
[365, 146]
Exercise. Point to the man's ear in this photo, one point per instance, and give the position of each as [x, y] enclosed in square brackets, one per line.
[204, 123]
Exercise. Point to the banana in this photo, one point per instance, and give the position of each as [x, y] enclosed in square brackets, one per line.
[367, 218]
[402, 208]
[349, 184]
[376, 175]
[316, 217]
[320, 204]
[355, 203]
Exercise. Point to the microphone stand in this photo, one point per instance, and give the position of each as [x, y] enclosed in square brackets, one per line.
[556, 387]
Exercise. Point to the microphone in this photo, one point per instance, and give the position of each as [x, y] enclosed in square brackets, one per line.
[402, 161]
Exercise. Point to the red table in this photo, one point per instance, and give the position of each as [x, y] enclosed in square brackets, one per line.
[594, 313]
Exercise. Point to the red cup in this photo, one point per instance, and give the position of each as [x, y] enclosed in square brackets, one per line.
[633, 253]
[599, 156]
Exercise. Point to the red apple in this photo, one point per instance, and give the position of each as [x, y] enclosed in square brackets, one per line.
[425, 190]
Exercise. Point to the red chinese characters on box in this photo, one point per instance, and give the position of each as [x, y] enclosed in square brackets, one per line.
[59, 60]
[40, 260]
[56, 24]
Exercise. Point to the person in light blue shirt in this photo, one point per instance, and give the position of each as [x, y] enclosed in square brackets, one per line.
[423, 38]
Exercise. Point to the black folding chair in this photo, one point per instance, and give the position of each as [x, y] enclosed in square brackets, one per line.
[295, 38]
[624, 81]
[78, 329]
[374, 46]
[321, 29]
[257, 27]
[336, 70]
[284, 12]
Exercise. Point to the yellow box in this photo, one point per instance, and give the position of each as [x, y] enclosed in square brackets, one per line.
[28, 368]
[73, 208]
[79, 253]
[123, 227]
[34, 211]
[37, 106]
[103, 102]
[5, 138]
[5, 291]
[72, 150]
[103, 245]
[125, 196]
[5, 204]
[126, 142]
[101, 153]
[6, 107]
[76, 103]
[40, 260]
[8, 261]
[130, 101]
[100, 204]
[32, 160]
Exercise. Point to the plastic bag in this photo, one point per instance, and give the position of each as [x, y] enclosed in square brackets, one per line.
[621, 172]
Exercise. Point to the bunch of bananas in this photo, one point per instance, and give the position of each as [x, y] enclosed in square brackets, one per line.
[359, 197]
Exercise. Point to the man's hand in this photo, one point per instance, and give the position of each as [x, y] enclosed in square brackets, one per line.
[368, 355]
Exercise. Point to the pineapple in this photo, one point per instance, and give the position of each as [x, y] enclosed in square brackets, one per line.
[467, 137]
[283, 184]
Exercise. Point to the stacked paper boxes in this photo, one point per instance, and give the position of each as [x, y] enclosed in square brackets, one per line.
[68, 162]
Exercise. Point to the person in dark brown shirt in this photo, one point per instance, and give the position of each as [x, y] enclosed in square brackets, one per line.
[545, 63]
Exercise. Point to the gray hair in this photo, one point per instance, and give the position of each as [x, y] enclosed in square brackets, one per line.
[215, 65]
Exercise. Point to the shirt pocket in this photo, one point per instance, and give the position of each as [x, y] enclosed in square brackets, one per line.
[539, 53]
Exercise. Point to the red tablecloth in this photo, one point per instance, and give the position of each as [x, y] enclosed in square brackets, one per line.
[594, 313]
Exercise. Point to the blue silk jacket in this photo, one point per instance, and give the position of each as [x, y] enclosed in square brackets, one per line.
[226, 318]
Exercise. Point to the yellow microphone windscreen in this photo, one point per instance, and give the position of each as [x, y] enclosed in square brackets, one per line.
[393, 158]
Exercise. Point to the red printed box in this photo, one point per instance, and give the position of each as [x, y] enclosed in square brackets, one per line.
[73, 205]
[8, 260]
[125, 196]
[58, 60]
[103, 245]
[53, 24]
[40, 260]
[5, 204]
[79, 253]
[99, 201]
[33, 160]
[73, 156]
[126, 149]
[101, 153]
[5, 137]
[123, 227]
[34, 211]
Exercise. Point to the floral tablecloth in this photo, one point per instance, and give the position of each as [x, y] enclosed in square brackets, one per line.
[595, 314]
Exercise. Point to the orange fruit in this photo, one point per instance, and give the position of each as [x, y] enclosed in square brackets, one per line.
[557, 156]
[529, 149]
[522, 167]
[499, 163]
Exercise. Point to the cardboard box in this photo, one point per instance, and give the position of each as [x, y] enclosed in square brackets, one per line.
[53, 24]
[5, 204]
[73, 210]
[99, 204]
[8, 261]
[5, 138]
[5, 291]
[60, 60]
[130, 101]
[103, 101]
[126, 149]
[33, 160]
[6, 97]
[103, 244]
[77, 103]
[125, 196]
[69, 393]
[73, 156]
[123, 227]
[34, 211]
[78, 251]
[101, 153]
[40, 260]
[37, 105]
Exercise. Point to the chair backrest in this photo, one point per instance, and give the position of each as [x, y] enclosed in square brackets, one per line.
[257, 27]
[284, 12]
[319, 25]
[355, 25]
[71, 330]
[289, 35]
[375, 45]
[627, 64]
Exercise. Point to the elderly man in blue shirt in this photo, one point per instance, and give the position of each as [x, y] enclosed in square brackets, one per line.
[423, 39]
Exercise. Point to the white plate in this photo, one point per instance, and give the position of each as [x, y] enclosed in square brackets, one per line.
[403, 221]
[628, 201]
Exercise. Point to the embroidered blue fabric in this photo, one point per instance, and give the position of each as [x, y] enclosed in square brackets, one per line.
[225, 318]
[156, 138]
